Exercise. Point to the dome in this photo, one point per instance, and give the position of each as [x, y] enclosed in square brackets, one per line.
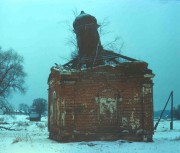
[84, 20]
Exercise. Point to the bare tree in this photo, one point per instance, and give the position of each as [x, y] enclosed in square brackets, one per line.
[39, 105]
[103, 27]
[71, 40]
[12, 73]
[117, 44]
[24, 108]
[5, 106]
[12, 77]
[7, 109]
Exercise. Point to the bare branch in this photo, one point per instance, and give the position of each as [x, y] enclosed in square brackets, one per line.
[9, 128]
[11, 73]
[75, 12]
[117, 44]
[102, 27]
[112, 42]
[5, 106]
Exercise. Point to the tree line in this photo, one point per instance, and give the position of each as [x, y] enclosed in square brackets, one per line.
[39, 106]
[12, 79]
[177, 112]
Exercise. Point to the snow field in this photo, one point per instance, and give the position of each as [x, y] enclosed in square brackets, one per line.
[32, 137]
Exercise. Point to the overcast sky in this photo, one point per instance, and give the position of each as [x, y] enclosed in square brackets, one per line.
[39, 29]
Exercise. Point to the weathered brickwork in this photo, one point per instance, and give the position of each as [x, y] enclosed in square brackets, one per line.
[101, 103]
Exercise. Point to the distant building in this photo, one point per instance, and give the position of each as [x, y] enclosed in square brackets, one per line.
[33, 116]
[99, 95]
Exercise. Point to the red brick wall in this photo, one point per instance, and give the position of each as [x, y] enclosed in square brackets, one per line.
[102, 103]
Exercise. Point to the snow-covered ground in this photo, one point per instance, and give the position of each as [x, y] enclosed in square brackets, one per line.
[32, 137]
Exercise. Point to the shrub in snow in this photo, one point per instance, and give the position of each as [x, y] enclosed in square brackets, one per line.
[16, 140]
[20, 123]
[1, 119]
[41, 126]
[177, 138]
[21, 138]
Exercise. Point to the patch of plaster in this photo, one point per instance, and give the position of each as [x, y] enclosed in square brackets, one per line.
[135, 99]
[63, 113]
[51, 113]
[58, 111]
[134, 123]
[147, 90]
[107, 105]
[51, 82]
[124, 121]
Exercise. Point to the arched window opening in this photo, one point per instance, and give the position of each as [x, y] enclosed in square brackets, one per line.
[108, 99]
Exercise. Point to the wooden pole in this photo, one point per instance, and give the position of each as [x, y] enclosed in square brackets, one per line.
[172, 111]
[170, 97]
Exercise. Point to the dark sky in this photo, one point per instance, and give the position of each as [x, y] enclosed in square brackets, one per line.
[39, 30]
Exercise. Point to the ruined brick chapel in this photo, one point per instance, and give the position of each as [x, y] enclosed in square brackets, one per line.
[99, 94]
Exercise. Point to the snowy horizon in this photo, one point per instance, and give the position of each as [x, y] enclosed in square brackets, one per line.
[32, 137]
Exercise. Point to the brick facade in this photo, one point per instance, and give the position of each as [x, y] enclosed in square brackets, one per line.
[101, 103]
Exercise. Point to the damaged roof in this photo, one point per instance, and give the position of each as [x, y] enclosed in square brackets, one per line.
[102, 58]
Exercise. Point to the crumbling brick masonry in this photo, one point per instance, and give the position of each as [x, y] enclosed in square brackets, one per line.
[101, 103]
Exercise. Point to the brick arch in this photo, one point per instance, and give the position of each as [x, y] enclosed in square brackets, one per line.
[110, 90]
